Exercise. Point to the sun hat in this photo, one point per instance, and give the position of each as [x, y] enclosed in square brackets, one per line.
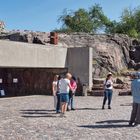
[109, 73]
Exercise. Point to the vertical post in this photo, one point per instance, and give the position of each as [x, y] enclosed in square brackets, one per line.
[85, 89]
[53, 38]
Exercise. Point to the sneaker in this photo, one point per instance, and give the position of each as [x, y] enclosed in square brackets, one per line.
[73, 109]
[68, 109]
[135, 124]
[57, 112]
[103, 107]
[109, 107]
[131, 124]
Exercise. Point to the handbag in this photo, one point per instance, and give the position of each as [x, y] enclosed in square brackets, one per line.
[107, 85]
[2, 92]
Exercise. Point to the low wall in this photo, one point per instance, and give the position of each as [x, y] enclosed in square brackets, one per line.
[17, 54]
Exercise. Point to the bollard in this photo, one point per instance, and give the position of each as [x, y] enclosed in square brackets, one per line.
[53, 38]
[85, 90]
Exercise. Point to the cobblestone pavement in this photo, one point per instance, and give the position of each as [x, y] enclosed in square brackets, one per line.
[33, 118]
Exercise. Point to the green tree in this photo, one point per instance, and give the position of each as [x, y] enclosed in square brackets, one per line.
[94, 20]
[78, 21]
[129, 23]
[89, 21]
[137, 18]
[100, 21]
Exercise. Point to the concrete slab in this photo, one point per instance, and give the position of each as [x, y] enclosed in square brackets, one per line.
[17, 54]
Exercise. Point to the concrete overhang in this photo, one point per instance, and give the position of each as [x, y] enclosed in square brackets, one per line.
[18, 54]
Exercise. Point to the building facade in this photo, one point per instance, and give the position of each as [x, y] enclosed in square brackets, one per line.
[27, 69]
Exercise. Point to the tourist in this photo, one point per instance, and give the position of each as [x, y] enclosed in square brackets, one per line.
[72, 93]
[108, 90]
[64, 85]
[135, 87]
[54, 90]
[58, 96]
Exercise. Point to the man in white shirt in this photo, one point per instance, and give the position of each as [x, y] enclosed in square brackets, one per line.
[64, 88]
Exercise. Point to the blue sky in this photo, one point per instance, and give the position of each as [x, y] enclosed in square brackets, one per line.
[42, 15]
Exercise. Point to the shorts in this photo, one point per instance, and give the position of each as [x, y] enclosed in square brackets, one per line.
[64, 97]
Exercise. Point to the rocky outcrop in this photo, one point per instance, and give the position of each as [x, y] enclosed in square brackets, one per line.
[134, 53]
[110, 52]
[2, 26]
[26, 36]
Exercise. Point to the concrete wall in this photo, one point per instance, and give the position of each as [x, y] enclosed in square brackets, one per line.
[17, 54]
[25, 55]
[79, 63]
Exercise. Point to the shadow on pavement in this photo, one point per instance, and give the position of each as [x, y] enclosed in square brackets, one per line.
[88, 109]
[128, 104]
[38, 116]
[110, 124]
[105, 126]
[37, 113]
[113, 121]
[37, 110]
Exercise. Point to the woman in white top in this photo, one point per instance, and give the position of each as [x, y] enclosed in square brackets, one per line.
[54, 89]
[64, 87]
[108, 90]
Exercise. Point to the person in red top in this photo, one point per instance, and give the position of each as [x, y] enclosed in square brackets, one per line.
[72, 93]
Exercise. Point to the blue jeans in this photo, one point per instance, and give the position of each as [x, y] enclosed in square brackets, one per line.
[71, 102]
[58, 103]
[64, 97]
[107, 96]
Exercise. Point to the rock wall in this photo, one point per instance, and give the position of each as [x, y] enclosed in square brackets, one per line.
[26, 36]
[110, 52]
[2, 26]
[28, 81]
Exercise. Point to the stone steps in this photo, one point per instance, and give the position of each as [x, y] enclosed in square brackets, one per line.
[125, 93]
[97, 87]
[96, 93]
[123, 89]
[98, 81]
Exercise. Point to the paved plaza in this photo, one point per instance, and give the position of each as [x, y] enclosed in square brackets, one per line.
[33, 118]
